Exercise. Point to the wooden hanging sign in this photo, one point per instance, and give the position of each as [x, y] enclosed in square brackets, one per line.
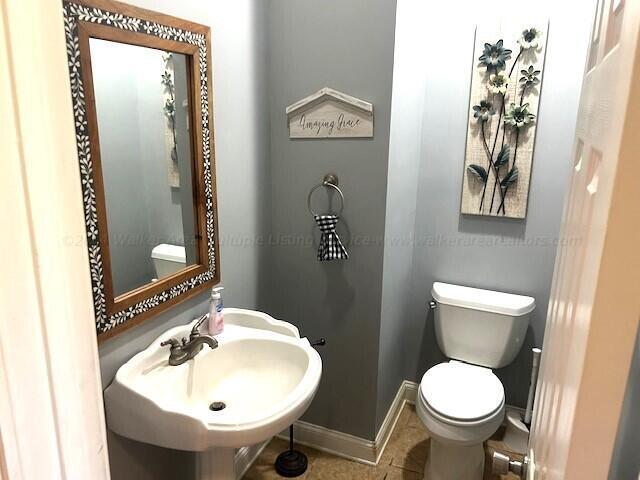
[329, 113]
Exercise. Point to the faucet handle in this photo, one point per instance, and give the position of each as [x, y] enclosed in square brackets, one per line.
[195, 331]
[172, 341]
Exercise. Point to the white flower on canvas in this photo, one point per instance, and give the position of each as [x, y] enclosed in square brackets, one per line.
[530, 38]
[498, 83]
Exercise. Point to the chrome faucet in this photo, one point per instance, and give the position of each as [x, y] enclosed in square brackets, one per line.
[181, 352]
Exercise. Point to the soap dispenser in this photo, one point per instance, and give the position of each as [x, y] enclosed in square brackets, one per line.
[216, 318]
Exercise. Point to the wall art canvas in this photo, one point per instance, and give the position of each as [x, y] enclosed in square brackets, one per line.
[506, 82]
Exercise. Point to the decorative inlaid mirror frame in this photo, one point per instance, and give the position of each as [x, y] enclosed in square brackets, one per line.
[118, 22]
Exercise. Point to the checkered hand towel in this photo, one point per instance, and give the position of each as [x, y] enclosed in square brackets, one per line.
[331, 247]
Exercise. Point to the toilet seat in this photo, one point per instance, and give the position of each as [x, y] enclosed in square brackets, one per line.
[460, 393]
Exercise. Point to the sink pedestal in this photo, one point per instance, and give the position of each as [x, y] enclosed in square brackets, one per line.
[216, 464]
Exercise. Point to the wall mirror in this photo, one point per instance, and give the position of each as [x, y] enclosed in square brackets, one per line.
[140, 84]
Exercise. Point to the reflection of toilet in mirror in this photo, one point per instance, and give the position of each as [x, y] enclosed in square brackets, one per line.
[168, 259]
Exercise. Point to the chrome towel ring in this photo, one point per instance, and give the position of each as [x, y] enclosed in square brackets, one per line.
[330, 180]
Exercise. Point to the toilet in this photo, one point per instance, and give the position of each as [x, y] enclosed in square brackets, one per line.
[168, 259]
[461, 402]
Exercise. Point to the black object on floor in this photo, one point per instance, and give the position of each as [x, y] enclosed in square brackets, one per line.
[291, 463]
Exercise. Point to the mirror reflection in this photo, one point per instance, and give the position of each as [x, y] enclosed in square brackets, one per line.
[145, 148]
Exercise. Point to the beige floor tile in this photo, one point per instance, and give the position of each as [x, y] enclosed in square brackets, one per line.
[394, 473]
[329, 467]
[403, 459]
[406, 419]
[405, 416]
[407, 448]
[413, 421]
[390, 448]
[411, 450]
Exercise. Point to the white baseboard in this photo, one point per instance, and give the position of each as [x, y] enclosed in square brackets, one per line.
[410, 391]
[334, 442]
[245, 457]
[349, 446]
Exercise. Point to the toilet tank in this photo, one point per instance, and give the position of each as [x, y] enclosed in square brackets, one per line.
[478, 326]
[168, 259]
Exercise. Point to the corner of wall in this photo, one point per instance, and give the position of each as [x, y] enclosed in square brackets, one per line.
[409, 70]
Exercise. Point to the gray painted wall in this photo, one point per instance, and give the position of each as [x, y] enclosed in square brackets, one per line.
[241, 136]
[625, 464]
[407, 103]
[499, 254]
[347, 46]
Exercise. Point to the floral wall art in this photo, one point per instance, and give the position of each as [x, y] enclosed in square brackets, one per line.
[503, 115]
[169, 110]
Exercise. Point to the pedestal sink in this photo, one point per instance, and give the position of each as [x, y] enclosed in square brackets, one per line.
[260, 379]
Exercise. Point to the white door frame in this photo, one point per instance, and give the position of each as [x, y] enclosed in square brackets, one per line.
[51, 409]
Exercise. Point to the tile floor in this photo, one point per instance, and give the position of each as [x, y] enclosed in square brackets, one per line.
[403, 459]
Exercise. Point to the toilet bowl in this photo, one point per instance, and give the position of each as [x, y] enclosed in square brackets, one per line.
[462, 402]
[461, 406]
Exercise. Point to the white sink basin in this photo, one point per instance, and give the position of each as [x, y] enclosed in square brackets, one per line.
[262, 370]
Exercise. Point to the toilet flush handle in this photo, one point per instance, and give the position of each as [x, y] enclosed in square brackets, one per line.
[432, 305]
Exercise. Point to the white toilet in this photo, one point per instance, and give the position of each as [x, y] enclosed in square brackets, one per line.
[461, 402]
[168, 259]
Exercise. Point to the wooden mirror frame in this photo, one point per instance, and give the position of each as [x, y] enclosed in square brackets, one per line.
[119, 22]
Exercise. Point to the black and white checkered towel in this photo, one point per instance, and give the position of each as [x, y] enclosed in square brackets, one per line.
[331, 247]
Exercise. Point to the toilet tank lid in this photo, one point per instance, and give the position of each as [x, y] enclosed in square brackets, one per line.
[172, 253]
[484, 300]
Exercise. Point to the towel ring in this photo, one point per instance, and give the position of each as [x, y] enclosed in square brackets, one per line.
[330, 180]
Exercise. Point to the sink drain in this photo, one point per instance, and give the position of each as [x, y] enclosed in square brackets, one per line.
[217, 406]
